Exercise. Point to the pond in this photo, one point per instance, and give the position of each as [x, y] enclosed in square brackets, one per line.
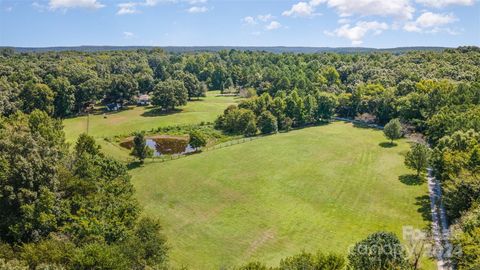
[164, 145]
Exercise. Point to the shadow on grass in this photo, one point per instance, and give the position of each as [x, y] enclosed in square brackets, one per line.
[423, 202]
[134, 165]
[159, 112]
[411, 179]
[387, 144]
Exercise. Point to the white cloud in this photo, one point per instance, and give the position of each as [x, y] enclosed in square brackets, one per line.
[128, 35]
[300, 9]
[273, 25]
[66, 4]
[400, 9]
[444, 3]
[356, 33]
[127, 8]
[343, 21]
[266, 17]
[429, 20]
[249, 20]
[196, 9]
[194, 2]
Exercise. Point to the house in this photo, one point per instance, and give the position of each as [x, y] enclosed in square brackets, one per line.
[143, 100]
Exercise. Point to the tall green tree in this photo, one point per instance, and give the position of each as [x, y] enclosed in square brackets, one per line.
[417, 158]
[326, 105]
[140, 148]
[31, 149]
[169, 94]
[122, 89]
[37, 96]
[393, 130]
[267, 123]
[379, 251]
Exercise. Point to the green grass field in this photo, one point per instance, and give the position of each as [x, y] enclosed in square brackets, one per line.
[140, 118]
[322, 187]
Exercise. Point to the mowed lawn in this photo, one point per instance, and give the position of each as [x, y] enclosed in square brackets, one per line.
[141, 118]
[322, 187]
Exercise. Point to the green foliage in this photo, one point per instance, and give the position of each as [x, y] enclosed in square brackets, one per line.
[146, 246]
[303, 261]
[237, 121]
[86, 144]
[99, 256]
[461, 192]
[197, 139]
[310, 261]
[418, 157]
[393, 130]
[267, 123]
[140, 148]
[37, 96]
[122, 89]
[381, 250]
[466, 235]
[31, 148]
[327, 103]
[169, 94]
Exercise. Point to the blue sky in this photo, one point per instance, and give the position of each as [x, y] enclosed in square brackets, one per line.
[332, 23]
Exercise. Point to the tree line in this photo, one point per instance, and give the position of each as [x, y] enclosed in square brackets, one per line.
[49, 194]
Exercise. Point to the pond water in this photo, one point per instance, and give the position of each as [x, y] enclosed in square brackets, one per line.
[164, 146]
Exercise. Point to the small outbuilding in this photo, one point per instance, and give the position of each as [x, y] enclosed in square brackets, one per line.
[143, 100]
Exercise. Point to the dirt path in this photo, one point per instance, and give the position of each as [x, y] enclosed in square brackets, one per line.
[439, 223]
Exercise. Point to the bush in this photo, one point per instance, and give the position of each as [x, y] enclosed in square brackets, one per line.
[393, 130]
[267, 123]
[197, 139]
[251, 129]
[379, 251]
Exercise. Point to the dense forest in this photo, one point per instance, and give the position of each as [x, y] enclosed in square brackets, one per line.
[74, 207]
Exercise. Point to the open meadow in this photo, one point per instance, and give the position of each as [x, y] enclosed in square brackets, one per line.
[139, 118]
[318, 188]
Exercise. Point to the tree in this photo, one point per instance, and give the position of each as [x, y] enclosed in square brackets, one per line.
[140, 148]
[31, 150]
[169, 94]
[379, 251]
[326, 105]
[331, 75]
[65, 96]
[250, 129]
[287, 124]
[146, 246]
[86, 144]
[123, 88]
[37, 96]
[417, 158]
[197, 139]
[393, 130]
[267, 123]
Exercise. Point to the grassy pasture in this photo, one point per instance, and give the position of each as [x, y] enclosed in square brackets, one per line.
[143, 118]
[322, 187]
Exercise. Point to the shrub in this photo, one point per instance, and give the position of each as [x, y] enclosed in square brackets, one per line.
[267, 123]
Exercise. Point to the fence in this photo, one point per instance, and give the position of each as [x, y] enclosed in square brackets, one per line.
[203, 149]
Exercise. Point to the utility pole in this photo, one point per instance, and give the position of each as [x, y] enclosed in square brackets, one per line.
[88, 121]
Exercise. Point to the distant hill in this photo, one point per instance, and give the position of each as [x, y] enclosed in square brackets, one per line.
[274, 49]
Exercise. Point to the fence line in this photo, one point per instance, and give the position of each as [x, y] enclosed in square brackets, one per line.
[204, 149]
